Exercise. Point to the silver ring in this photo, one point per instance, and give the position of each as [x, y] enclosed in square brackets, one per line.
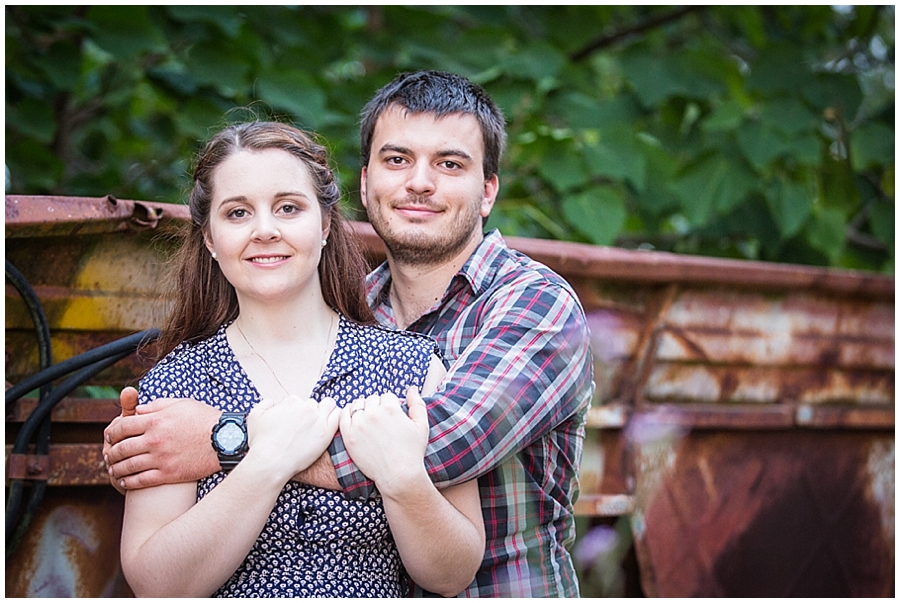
[353, 411]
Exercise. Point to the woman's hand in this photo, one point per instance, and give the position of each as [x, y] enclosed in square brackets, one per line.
[293, 433]
[386, 444]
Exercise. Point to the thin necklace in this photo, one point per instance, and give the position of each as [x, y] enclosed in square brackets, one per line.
[260, 356]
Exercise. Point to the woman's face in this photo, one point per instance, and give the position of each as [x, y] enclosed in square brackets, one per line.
[266, 226]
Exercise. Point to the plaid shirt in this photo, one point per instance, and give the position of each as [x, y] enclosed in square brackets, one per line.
[511, 412]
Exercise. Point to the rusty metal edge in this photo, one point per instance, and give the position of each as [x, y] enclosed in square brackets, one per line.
[69, 410]
[604, 505]
[45, 215]
[73, 465]
[745, 416]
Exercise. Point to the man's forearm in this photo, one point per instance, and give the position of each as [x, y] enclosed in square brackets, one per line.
[320, 474]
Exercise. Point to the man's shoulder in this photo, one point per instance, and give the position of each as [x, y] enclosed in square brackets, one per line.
[515, 270]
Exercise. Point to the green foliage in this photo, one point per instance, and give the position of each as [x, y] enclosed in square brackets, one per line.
[759, 132]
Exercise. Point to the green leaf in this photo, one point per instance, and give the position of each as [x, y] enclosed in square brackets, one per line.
[836, 92]
[220, 65]
[882, 222]
[779, 69]
[871, 145]
[223, 17]
[790, 205]
[827, 232]
[562, 166]
[582, 111]
[598, 213]
[788, 116]
[293, 91]
[761, 144]
[125, 31]
[725, 117]
[536, 62]
[617, 155]
[713, 186]
[32, 118]
[654, 79]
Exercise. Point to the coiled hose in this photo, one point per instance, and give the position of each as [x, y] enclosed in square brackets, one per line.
[83, 366]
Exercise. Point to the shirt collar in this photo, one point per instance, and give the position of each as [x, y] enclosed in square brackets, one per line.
[477, 271]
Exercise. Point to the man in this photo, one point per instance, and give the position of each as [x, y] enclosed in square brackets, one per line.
[511, 410]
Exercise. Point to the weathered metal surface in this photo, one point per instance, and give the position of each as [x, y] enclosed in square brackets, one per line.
[744, 411]
[72, 547]
[767, 514]
[66, 465]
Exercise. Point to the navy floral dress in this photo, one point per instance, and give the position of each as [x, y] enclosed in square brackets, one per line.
[315, 543]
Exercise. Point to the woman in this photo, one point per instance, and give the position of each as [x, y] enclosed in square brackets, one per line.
[270, 317]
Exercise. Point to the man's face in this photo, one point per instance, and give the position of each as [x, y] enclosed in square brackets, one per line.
[424, 187]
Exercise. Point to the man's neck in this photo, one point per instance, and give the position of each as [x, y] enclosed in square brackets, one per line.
[415, 289]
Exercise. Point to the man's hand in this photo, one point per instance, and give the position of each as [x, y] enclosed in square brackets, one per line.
[163, 442]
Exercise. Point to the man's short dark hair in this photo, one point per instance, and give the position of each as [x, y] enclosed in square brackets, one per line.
[439, 93]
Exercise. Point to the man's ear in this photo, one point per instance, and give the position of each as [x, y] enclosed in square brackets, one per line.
[362, 186]
[491, 188]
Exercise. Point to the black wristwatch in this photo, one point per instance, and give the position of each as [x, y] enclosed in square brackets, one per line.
[229, 439]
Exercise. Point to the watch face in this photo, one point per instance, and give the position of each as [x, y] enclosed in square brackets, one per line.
[229, 437]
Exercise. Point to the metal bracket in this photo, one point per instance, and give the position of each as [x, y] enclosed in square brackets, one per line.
[28, 466]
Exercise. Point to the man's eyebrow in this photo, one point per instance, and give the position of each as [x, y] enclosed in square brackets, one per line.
[393, 148]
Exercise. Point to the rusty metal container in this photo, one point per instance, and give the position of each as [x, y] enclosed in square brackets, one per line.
[740, 443]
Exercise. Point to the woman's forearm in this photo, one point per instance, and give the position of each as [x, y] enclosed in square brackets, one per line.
[440, 535]
[172, 547]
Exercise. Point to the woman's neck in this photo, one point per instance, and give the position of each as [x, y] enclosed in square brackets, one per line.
[284, 349]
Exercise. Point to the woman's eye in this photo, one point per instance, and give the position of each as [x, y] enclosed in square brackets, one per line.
[289, 209]
[237, 213]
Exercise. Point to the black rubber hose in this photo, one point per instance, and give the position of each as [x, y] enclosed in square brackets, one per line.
[41, 412]
[98, 359]
[41, 327]
[129, 344]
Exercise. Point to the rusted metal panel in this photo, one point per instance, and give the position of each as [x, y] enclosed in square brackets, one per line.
[66, 465]
[72, 547]
[771, 514]
[577, 260]
[726, 392]
[69, 410]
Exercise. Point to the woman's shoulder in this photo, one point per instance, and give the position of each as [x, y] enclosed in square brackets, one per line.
[391, 341]
[184, 358]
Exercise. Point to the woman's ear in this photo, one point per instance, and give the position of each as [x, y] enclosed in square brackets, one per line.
[208, 243]
[326, 226]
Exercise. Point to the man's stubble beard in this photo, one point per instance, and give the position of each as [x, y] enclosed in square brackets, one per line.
[424, 249]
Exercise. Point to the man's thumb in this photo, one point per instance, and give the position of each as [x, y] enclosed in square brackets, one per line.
[128, 398]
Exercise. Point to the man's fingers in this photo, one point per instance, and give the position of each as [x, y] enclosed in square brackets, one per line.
[418, 412]
[156, 405]
[128, 398]
[126, 465]
[116, 434]
[145, 479]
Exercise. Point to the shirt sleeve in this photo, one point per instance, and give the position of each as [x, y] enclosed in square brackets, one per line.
[527, 369]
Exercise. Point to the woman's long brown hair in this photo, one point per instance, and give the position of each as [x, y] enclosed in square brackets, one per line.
[203, 298]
